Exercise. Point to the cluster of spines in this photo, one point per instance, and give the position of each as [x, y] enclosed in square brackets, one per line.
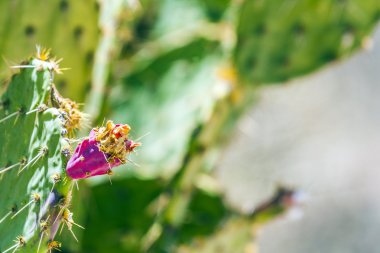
[63, 218]
[20, 112]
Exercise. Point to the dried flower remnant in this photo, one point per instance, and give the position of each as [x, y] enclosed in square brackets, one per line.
[105, 148]
[73, 118]
[113, 140]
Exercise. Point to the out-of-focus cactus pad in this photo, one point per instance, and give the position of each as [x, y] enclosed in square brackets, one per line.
[67, 26]
[278, 40]
[159, 99]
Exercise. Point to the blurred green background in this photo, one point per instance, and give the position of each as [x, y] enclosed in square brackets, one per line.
[181, 73]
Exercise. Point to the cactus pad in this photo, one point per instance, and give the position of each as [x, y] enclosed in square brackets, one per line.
[31, 144]
[278, 40]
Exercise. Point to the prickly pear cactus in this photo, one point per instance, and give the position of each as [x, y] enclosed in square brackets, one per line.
[31, 159]
[67, 26]
[278, 40]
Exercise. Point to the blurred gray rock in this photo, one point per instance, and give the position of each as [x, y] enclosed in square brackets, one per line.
[320, 134]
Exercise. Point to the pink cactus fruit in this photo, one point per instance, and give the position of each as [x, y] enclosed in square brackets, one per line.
[105, 148]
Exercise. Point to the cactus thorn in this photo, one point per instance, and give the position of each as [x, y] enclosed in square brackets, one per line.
[71, 141]
[13, 209]
[9, 167]
[43, 61]
[134, 163]
[65, 203]
[22, 66]
[42, 152]
[5, 216]
[44, 226]
[67, 218]
[110, 173]
[56, 178]
[40, 108]
[142, 136]
[54, 245]
[42, 53]
[20, 241]
[76, 184]
[16, 113]
[35, 198]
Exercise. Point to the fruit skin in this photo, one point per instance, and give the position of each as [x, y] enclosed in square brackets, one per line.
[89, 160]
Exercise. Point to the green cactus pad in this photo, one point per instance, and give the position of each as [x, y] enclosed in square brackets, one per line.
[159, 99]
[22, 137]
[67, 26]
[278, 40]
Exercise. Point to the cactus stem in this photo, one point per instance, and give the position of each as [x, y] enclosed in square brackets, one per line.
[43, 151]
[40, 108]
[16, 113]
[35, 198]
[9, 167]
[20, 241]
